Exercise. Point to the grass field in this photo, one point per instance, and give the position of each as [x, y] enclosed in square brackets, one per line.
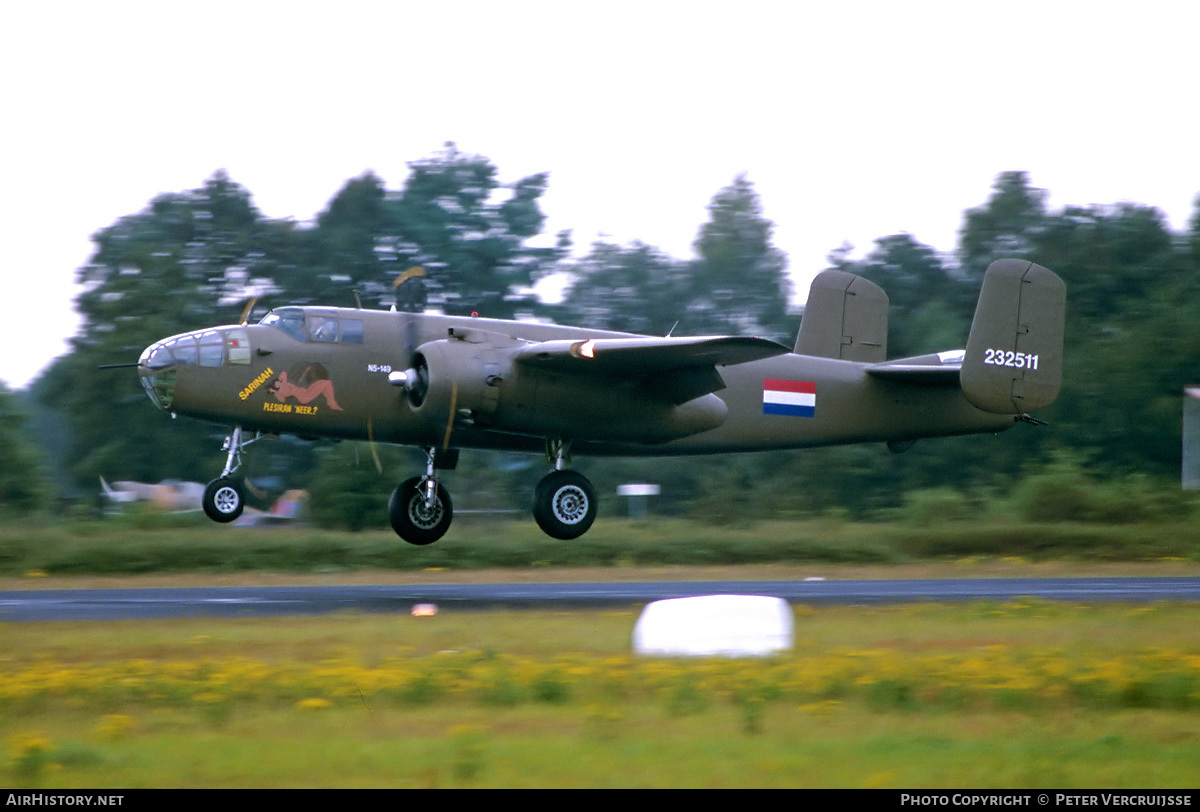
[1020, 694]
[143, 544]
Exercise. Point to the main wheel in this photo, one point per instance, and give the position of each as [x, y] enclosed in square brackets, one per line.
[564, 504]
[412, 520]
[223, 500]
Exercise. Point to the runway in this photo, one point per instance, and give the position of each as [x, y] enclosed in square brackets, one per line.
[144, 604]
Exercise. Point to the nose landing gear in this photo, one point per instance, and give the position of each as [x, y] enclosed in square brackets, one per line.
[224, 499]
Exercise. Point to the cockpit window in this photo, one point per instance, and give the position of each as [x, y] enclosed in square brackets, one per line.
[352, 331]
[323, 328]
[290, 321]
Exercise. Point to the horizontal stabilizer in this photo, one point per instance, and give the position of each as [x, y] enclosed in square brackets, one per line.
[940, 369]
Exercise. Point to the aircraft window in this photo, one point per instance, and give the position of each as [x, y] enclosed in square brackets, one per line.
[161, 387]
[158, 357]
[352, 331]
[238, 343]
[323, 328]
[184, 350]
[289, 321]
[212, 350]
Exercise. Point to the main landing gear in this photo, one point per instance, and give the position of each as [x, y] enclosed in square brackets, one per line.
[564, 502]
[420, 509]
[224, 498]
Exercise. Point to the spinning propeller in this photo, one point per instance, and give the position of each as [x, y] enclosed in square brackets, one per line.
[411, 297]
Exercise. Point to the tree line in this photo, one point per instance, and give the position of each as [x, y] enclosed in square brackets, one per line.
[198, 257]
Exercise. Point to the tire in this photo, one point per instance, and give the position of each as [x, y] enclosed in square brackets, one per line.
[409, 517]
[223, 500]
[564, 504]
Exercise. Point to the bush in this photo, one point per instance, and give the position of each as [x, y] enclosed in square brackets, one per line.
[935, 505]
[1065, 492]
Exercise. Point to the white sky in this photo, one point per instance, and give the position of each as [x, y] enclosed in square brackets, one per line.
[854, 120]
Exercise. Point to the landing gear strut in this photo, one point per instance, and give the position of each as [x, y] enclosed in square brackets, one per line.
[420, 509]
[564, 502]
[224, 498]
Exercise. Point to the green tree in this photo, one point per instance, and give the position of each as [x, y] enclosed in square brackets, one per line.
[1123, 385]
[1131, 328]
[635, 289]
[1194, 233]
[23, 487]
[1007, 225]
[454, 218]
[187, 261]
[347, 249]
[929, 309]
[348, 490]
[739, 283]
[1111, 257]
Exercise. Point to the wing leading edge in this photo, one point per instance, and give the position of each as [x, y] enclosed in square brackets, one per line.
[643, 354]
[677, 368]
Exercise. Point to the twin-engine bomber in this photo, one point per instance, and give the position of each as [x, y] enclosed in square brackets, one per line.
[445, 383]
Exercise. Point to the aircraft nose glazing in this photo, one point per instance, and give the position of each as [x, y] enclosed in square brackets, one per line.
[158, 373]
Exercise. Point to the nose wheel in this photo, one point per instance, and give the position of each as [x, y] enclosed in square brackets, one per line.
[223, 500]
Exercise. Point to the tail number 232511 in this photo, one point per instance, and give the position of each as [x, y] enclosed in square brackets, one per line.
[1009, 358]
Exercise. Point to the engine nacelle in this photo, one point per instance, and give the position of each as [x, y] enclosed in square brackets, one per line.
[617, 409]
[454, 376]
[475, 382]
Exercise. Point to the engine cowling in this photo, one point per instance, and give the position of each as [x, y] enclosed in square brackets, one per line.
[471, 379]
[477, 383]
[453, 376]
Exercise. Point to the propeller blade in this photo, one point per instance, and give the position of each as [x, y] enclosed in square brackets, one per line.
[415, 270]
[410, 290]
[453, 409]
[371, 445]
[255, 491]
[410, 342]
[249, 307]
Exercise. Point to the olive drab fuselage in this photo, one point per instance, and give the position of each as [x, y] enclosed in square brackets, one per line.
[445, 383]
[286, 385]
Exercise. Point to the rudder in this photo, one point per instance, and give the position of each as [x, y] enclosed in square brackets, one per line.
[1013, 360]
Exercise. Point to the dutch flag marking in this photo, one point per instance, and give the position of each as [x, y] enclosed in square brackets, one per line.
[795, 398]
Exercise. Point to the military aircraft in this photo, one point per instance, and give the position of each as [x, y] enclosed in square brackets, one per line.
[445, 383]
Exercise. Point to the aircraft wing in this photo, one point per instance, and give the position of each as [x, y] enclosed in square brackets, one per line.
[639, 355]
[676, 368]
[939, 369]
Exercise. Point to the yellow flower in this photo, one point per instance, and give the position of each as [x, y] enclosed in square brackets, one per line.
[115, 726]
